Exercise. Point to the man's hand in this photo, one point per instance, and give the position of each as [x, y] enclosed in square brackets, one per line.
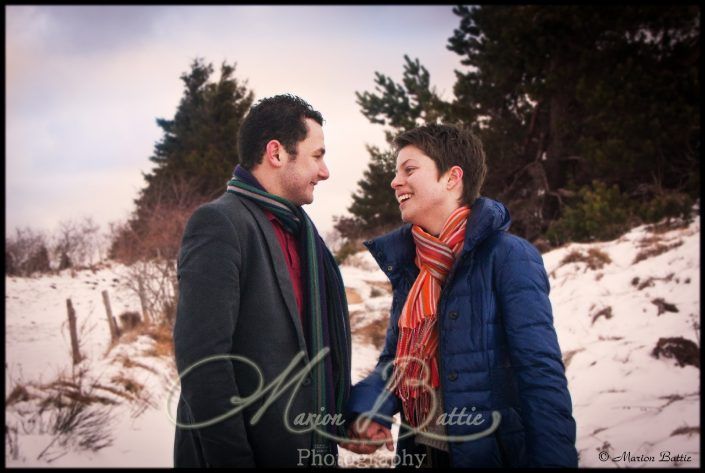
[375, 434]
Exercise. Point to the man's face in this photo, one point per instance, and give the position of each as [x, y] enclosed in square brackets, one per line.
[422, 197]
[300, 175]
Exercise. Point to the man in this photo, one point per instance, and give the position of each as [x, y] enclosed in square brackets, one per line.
[259, 290]
[473, 357]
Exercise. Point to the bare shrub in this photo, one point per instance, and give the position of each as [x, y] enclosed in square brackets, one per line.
[129, 321]
[333, 240]
[77, 243]
[26, 252]
[155, 283]
[347, 250]
[149, 245]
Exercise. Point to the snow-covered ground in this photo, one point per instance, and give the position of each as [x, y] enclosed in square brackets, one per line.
[609, 320]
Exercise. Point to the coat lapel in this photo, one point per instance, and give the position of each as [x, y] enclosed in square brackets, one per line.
[279, 267]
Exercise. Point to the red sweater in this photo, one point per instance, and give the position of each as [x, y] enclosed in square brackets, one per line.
[291, 256]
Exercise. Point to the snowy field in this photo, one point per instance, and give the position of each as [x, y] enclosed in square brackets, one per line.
[611, 308]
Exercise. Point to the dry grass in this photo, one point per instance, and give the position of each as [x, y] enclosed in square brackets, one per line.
[18, 394]
[130, 363]
[374, 332]
[655, 250]
[686, 430]
[67, 410]
[595, 258]
[605, 312]
[128, 384]
[358, 260]
[62, 392]
[384, 286]
[664, 306]
[115, 391]
[163, 338]
[667, 226]
[684, 351]
[356, 318]
[352, 296]
[568, 356]
[649, 282]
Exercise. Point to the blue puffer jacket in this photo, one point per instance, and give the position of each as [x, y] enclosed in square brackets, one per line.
[498, 347]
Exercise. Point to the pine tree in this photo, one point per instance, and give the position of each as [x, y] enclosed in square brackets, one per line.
[400, 107]
[194, 159]
[374, 206]
[564, 97]
[574, 95]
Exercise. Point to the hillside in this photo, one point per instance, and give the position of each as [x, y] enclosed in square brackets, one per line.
[616, 306]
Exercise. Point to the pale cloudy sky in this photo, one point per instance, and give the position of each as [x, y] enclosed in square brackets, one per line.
[84, 86]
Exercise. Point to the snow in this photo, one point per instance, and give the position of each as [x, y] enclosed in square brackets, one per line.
[625, 400]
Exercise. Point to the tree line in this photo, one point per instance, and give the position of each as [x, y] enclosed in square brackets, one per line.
[589, 117]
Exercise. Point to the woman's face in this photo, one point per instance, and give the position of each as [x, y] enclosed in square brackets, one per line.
[424, 198]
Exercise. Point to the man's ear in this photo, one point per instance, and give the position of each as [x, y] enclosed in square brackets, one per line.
[455, 177]
[272, 153]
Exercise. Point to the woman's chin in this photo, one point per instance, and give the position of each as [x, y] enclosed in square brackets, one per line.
[408, 217]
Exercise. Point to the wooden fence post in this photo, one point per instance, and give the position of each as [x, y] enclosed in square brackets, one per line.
[143, 301]
[114, 332]
[72, 331]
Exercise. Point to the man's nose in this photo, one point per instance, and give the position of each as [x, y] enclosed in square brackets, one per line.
[323, 172]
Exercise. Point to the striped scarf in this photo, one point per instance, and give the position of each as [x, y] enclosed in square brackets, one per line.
[326, 322]
[417, 323]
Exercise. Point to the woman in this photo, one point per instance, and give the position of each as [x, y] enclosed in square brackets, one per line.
[471, 330]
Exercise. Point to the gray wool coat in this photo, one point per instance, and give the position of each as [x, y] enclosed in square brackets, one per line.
[236, 297]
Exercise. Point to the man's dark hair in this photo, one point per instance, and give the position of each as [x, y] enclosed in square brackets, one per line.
[281, 118]
[448, 146]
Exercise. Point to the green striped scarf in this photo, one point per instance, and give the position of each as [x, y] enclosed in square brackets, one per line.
[326, 322]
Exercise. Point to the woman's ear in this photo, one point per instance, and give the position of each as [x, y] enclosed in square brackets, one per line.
[455, 177]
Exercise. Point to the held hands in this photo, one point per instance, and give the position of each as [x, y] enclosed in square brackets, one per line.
[374, 436]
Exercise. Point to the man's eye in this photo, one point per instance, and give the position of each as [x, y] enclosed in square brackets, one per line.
[409, 170]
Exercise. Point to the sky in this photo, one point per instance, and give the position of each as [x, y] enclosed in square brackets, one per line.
[85, 85]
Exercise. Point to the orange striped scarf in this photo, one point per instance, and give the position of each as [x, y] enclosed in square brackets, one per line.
[417, 348]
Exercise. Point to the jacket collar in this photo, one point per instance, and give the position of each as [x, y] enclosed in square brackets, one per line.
[395, 251]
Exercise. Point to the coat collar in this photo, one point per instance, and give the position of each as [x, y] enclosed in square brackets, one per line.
[279, 265]
[395, 251]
